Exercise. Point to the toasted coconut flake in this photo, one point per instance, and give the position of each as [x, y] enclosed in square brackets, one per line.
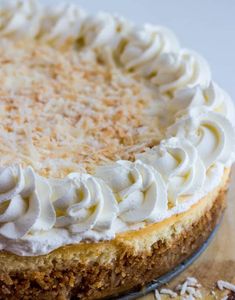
[157, 295]
[225, 285]
[190, 289]
[63, 111]
[168, 292]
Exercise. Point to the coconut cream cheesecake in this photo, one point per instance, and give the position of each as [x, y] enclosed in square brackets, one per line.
[115, 149]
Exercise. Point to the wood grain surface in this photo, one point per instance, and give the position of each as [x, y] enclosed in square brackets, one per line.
[217, 262]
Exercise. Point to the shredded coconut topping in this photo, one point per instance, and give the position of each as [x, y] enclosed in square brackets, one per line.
[157, 295]
[168, 292]
[64, 111]
[190, 290]
[225, 285]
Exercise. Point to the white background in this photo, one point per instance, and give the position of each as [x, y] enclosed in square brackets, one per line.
[207, 26]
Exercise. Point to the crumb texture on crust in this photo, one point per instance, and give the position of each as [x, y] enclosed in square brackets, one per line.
[128, 270]
[63, 111]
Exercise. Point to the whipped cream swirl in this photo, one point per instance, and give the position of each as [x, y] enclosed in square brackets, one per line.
[20, 18]
[211, 133]
[140, 190]
[11, 182]
[213, 98]
[103, 32]
[62, 23]
[144, 45]
[83, 203]
[173, 71]
[24, 203]
[181, 167]
[103, 29]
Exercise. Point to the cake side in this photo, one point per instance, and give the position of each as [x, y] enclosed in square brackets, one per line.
[132, 259]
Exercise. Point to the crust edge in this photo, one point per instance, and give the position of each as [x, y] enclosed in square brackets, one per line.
[129, 270]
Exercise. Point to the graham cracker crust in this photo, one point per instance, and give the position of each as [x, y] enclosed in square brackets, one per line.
[129, 271]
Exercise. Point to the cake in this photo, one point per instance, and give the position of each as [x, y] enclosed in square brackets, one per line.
[115, 150]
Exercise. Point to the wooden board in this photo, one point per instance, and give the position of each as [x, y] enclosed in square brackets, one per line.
[218, 261]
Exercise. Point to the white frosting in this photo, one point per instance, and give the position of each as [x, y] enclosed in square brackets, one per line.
[61, 23]
[212, 97]
[84, 203]
[172, 71]
[211, 133]
[11, 182]
[140, 190]
[103, 29]
[178, 162]
[20, 18]
[144, 45]
[46, 241]
[103, 32]
[26, 206]
[213, 179]
[38, 215]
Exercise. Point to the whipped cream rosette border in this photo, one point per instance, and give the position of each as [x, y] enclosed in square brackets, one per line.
[40, 214]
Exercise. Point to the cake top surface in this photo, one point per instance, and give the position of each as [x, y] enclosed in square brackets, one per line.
[105, 127]
[64, 111]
